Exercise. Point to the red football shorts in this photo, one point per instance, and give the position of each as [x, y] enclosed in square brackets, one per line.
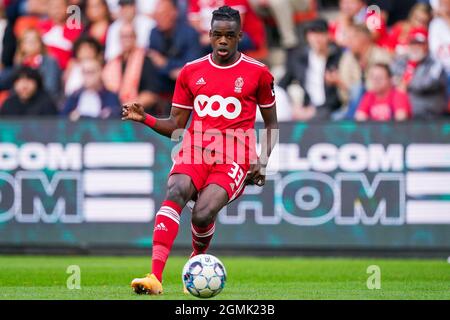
[230, 176]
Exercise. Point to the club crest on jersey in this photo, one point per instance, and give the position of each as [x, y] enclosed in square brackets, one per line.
[238, 84]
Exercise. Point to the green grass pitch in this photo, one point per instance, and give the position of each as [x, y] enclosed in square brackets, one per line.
[45, 277]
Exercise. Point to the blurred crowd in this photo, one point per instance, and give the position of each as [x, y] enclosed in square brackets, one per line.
[374, 60]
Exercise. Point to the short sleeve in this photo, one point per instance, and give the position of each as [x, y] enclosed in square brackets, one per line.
[266, 91]
[182, 96]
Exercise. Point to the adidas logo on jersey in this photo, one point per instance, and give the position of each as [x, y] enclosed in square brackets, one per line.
[161, 227]
[201, 81]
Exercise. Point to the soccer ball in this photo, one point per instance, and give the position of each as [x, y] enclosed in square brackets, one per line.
[204, 276]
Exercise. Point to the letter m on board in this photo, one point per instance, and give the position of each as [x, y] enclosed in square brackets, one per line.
[49, 199]
[360, 201]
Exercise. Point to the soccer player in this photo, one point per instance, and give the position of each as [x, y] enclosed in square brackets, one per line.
[222, 91]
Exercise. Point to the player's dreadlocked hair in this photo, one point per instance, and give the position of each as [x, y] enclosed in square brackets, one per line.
[226, 13]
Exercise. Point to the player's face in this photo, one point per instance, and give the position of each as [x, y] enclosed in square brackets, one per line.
[225, 36]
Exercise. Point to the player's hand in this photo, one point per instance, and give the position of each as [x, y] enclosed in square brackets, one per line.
[255, 175]
[133, 111]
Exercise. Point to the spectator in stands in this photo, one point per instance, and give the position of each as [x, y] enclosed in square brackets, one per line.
[29, 14]
[57, 35]
[28, 98]
[173, 42]
[98, 19]
[395, 10]
[86, 47]
[22, 15]
[350, 76]
[419, 17]
[145, 7]
[254, 35]
[128, 15]
[283, 12]
[422, 77]
[31, 52]
[382, 101]
[92, 100]
[309, 67]
[132, 75]
[353, 12]
[439, 40]
[350, 12]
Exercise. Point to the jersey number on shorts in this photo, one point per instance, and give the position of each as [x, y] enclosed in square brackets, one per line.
[236, 173]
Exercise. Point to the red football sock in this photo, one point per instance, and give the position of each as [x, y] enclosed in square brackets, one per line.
[167, 221]
[201, 237]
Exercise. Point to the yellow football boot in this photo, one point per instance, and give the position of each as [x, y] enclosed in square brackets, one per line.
[148, 285]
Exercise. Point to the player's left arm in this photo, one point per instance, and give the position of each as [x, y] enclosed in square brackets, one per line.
[265, 97]
[257, 174]
[270, 136]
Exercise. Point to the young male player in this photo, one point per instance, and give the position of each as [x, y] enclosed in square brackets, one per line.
[222, 91]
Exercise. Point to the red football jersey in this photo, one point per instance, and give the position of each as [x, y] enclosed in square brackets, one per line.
[223, 98]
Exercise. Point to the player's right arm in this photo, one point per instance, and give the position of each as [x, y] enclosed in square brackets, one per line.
[179, 115]
[177, 119]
